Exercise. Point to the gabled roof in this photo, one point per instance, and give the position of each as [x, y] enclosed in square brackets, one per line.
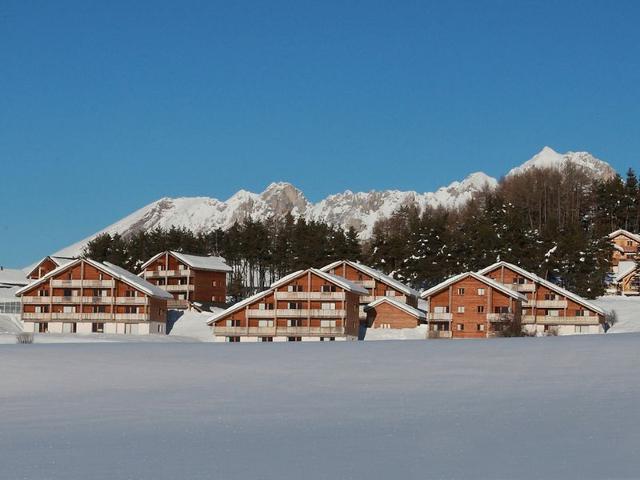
[339, 281]
[109, 268]
[57, 260]
[419, 314]
[551, 286]
[376, 274]
[625, 268]
[12, 277]
[626, 233]
[487, 281]
[197, 262]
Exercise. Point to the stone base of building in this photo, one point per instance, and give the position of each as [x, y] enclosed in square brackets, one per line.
[86, 328]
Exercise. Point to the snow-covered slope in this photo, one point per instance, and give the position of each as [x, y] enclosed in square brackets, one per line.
[549, 158]
[348, 209]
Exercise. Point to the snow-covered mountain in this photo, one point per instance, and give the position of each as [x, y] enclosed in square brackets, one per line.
[348, 209]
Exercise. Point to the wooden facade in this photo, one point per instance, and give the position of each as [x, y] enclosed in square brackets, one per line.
[188, 278]
[547, 308]
[625, 247]
[46, 265]
[471, 306]
[85, 296]
[389, 313]
[306, 305]
[377, 284]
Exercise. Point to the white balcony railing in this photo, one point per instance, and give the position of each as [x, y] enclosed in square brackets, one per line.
[313, 313]
[372, 298]
[440, 316]
[547, 303]
[166, 273]
[524, 287]
[279, 331]
[82, 283]
[500, 317]
[309, 295]
[559, 320]
[257, 313]
[177, 288]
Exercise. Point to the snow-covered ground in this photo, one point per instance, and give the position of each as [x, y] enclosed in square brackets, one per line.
[627, 310]
[419, 333]
[522, 408]
[192, 324]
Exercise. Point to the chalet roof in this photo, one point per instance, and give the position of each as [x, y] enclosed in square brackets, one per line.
[56, 259]
[197, 262]
[419, 314]
[12, 277]
[487, 281]
[625, 268]
[376, 274]
[341, 282]
[238, 306]
[551, 286]
[626, 233]
[113, 270]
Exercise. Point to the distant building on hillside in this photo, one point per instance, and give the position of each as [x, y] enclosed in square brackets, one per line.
[377, 284]
[188, 278]
[85, 296]
[547, 307]
[470, 305]
[625, 247]
[46, 265]
[305, 305]
[626, 281]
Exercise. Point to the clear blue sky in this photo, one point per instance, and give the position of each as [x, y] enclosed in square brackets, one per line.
[105, 108]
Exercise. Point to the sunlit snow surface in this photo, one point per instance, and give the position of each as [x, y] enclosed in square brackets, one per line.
[560, 407]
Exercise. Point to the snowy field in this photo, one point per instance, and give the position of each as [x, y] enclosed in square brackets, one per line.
[559, 407]
[627, 309]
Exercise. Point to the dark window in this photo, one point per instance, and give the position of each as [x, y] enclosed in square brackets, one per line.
[43, 327]
[97, 327]
[328, 288]
[294, 339]
[233, 339]
[266, 339]
[480, 308]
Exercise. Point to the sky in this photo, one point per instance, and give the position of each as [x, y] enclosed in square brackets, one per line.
[108, 106]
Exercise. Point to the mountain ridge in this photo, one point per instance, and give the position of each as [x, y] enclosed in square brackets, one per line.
[359, 210]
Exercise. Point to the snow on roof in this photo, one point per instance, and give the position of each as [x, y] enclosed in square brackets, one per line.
[618, 248]
[197, 262]
[238, 306]
[132, 279]
[341, 282]
[625, 268]
[401, 305]
[12, 277]
[551, 286]
[109, 268]
[492, 283]
[626, 233]
[377, 274]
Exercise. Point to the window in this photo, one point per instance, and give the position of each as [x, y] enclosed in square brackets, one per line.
[327, 323]
[99, 309]
[480, 309]
[97, 327]
[69, 309]
[294, 339]
[294, 322]
[182, 281]
[550, 296]
[181, 267]
[461, 291]
[214, 283]
[480, 327]
[43, 327]
[460, 327]
[42, 293]
[327, 339]
[390, 293]
[328, 306]
[129, 293]
[295, 306]
[582, 328]
[161, 281]
[294, 288]
[233, 323]
[265, 323]
[553, 313]
[481, 291]
[629, 243]
[440, 309]
[328, 288]
[501, 310]
[265, 306]
[580, 313]
[266, 339]
[460, 309]
[233, 339]
[66, 292]
[69, 327]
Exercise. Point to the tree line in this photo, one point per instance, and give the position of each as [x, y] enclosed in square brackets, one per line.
[551, 222]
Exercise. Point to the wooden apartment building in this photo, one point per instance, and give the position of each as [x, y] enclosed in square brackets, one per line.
[470, 305]
[85, 296]
[305, 305]
[547, 307]
[377, 284]
[389, 313]
[625, 247]
[190, 279]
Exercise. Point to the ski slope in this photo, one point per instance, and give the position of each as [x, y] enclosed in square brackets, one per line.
[526, 408]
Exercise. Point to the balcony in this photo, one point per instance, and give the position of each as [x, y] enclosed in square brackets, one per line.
[36, 316]
[257, 313]
[177, 288]
[279, 331]
[500, 317]
[166, 273]
[558, 320]
[82, 283]
[313, 313]
[372, 298]
[440, 316]
[309, 295]
[524, 287]
[41, 300]
[85, 300]
[546, 303]
[132, 316]
[365, 283]
[439, 334]
[132, 300]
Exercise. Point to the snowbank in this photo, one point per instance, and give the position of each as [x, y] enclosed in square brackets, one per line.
[627, 309]
[418, 333]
